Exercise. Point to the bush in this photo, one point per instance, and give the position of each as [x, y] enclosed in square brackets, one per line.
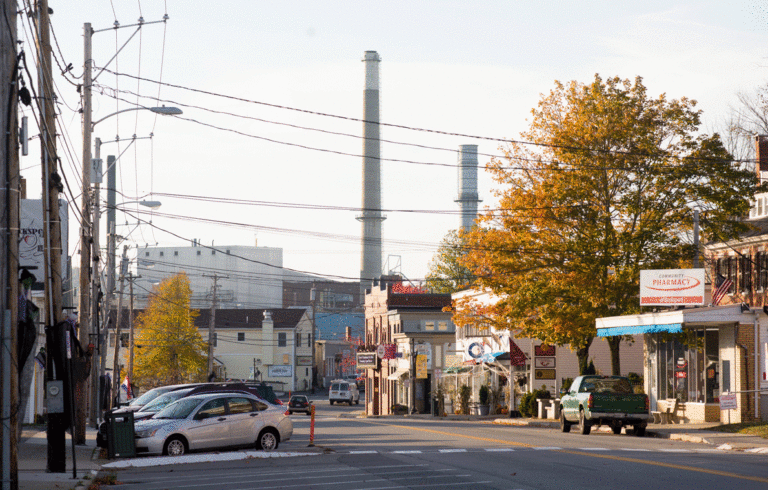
[528, 404]
[565, 383]
[484, 395]
[465, 392]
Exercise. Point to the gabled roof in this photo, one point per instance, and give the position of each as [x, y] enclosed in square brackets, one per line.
[250, 318]
[418, 301]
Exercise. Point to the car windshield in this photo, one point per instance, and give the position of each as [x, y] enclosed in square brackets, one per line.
[606, 385]
[179, 409]
[299, 398]
[146, 397]
[163, 401]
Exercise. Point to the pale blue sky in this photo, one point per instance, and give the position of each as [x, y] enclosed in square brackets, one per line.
[463, 67]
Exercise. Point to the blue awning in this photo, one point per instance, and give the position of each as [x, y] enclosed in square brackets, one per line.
[639, 329]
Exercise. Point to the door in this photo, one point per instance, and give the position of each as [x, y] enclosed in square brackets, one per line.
[209, 426]
[245, 420]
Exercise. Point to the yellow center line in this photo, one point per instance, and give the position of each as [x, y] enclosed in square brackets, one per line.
[580, 453]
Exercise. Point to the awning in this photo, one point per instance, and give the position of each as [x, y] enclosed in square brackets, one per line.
[398, 374]
[639, 329]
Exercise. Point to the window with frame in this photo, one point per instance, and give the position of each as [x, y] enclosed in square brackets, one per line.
[240, 405]
[745, 273]
[298, 339]
[124, 338]
[240, 336]
[429, 326]
[762, 270]
[281, 339]
[213, 408]
[215, 339]
[442, 325]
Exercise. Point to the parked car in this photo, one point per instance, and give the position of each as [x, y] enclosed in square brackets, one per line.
[300, 403]
[213, 421]
[181, 391]
[343, 391]
[603, 400]
[136, 403]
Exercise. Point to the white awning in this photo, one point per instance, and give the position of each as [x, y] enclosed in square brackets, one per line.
[398, 374]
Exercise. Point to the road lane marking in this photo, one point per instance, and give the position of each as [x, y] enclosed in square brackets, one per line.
[546, 448]
[406, 452]
[593, 449]
[669, 465]
[363, 452]
[590, 454]
[499, 449]
[453, 450]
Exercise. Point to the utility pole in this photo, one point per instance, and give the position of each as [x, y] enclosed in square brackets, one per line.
[131, 278]
[9, 240]
[95, 285]
[313, 300]
[86, 234]
[695, 238]
[212, 320]
[52, 245]
[116, 360]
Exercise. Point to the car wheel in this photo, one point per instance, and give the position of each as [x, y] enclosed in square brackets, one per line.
[616, 427]
[357, 402]
[565, 426]
[175, 446]
[640, 430]
[584, 427]
[331, 402]
[268, 440]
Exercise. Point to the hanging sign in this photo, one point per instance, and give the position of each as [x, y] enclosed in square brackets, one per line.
[672, 287]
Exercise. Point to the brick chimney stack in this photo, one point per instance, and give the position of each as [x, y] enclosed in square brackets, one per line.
[761, 152]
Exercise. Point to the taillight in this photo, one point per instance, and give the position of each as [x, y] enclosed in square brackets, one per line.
[287, 412]
[647, 403]
[591, 402]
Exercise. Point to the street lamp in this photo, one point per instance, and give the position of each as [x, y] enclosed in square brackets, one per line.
[165, 111]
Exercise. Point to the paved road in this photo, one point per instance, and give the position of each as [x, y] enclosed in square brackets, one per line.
[398, 453]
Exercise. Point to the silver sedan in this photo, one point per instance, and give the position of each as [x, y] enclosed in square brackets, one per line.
[212, 421]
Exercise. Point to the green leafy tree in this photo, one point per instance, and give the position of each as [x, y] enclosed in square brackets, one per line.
[172, 350]
[446, 272]
[603, 187]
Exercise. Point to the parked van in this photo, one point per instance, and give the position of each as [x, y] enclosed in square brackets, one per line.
[343, 391]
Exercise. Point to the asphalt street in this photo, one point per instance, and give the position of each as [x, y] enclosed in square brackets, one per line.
[424, 453]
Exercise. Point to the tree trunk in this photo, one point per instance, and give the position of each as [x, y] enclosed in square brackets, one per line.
[613, 343]
[582, 354]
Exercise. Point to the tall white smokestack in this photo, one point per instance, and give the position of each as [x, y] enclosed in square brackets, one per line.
[370, 260]
[468, 198]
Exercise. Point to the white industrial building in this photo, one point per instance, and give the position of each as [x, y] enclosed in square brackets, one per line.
[245, 277]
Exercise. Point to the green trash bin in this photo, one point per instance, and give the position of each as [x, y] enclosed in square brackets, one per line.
[120, 442]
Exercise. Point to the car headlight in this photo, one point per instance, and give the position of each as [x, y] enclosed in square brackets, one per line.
[146, 433]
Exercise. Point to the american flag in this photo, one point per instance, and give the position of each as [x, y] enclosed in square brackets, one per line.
[516, 356]
[126, 387]
[723, 285]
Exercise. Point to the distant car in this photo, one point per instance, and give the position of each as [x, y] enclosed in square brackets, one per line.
[213, 421]
[343, 391]
[300, 403]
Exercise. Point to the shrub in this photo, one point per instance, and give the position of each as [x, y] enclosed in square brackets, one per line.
[484, 395]
[465, 392]
[528, 405]
[565, 383]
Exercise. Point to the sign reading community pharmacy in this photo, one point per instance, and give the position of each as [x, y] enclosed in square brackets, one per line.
[672, 287]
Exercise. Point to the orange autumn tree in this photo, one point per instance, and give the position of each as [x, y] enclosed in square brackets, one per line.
[603, 185]
[169, 348]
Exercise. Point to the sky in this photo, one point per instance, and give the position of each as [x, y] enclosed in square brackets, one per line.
[268, 148]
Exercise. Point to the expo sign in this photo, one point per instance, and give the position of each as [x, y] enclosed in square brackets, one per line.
[672, 287]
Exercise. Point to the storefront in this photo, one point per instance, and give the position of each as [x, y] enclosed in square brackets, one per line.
[694, 355]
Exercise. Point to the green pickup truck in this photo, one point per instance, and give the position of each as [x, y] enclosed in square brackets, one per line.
[603, 400]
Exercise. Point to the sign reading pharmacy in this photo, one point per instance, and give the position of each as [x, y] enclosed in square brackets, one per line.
[672, 287]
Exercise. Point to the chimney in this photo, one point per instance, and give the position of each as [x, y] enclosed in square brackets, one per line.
[761, 152]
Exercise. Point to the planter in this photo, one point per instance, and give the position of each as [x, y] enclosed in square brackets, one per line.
[483, 409]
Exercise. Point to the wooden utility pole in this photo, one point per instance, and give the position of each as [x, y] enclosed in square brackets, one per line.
[212, 320]
[86, 235]
[52, 228]
[9, 240]
[116, 360]
[131, 278]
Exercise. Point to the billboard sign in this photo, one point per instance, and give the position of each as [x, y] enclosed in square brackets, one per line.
[672, 287]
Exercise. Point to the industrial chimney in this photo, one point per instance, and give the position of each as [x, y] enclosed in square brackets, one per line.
[370, 260]
[468, 199]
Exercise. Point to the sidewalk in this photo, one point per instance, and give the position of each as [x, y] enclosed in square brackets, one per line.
[33, 461]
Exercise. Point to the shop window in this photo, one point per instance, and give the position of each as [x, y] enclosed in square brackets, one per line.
[688, 366]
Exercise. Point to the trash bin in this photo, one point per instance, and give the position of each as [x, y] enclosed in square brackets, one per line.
[436, 407]
[120, 443]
